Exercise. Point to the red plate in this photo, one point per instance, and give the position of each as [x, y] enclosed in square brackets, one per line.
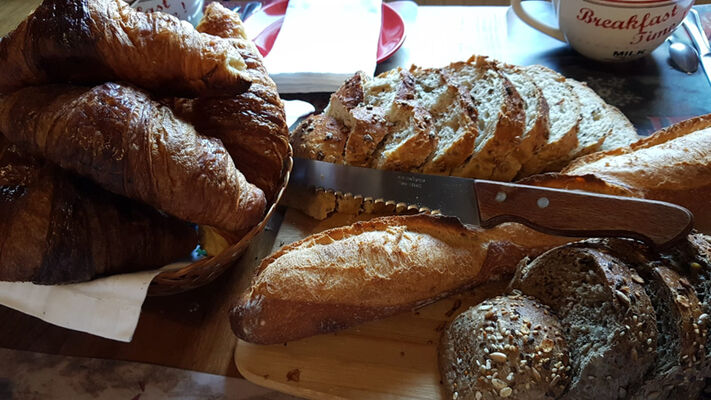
[392, 30]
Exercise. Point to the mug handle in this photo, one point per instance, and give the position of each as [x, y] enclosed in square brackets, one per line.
[536, 24]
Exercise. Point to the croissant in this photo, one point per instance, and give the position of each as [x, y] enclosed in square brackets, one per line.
[132, 146]
[90, 41]
[251, 125]
[58, 228]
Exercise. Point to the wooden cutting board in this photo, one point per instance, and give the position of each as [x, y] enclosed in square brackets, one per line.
[394, 358]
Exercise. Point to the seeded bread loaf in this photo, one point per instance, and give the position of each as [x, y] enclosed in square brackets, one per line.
[607, 316]
[677, 371]
[374, 269]
[509, 346]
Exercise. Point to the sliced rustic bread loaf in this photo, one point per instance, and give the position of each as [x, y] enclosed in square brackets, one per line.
[564, 114]
[361, 108]
[509, 346]
[623, 132]
[595, 123]
[320, 137]
[500, 113]
[409, 139]
[681, 343]
[537, 127]
[453, 120]
[608, 319]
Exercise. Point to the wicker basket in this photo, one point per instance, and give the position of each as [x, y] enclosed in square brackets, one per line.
[205, 270]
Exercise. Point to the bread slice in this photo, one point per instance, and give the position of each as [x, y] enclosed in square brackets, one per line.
[453, 120]
[410, 139]
[508, 346]
[623, 132]
[364, 121]
[680, 344]
[537, 127]
[608, 318]
[595, 124]
[500, 113]
[564, 114]
[375, 269]
[320, 137]
[692, 259]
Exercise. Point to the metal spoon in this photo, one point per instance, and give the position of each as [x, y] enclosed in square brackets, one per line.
[683, 56]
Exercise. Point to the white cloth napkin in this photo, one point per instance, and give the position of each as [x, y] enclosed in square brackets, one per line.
[108, 307]
[324, 42]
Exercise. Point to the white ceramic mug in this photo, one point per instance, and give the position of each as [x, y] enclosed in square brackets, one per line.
[611, 30]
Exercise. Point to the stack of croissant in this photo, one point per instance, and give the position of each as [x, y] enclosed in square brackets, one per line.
[120, 130]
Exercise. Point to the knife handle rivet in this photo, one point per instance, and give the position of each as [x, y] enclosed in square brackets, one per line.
[543, 202]
[500, 197]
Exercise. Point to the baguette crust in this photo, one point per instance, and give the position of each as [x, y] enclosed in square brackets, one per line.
[375, 269]
[671, 165]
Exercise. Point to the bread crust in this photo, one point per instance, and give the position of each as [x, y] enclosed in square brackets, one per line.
[672, 165]
[374, 269]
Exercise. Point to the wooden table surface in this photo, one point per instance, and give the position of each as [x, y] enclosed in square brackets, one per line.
[191, 330]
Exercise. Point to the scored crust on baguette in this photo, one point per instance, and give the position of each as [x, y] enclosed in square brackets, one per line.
[453, 120]
[374, 269]
[564, 114]
[500, 117]
[537, 127]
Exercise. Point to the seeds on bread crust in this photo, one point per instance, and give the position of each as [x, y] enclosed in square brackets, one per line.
[509, 346]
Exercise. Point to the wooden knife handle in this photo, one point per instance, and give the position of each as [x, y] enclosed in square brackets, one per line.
[569, 213]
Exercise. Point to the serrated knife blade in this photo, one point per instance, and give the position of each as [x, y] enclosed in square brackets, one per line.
[488, 203]
[448, 195]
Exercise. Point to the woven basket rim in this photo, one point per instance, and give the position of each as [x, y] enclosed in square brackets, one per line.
[205, 270]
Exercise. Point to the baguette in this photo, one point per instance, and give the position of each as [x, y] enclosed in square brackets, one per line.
[672, 165]
[374, 269]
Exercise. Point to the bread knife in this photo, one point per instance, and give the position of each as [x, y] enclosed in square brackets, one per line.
[488, 203]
